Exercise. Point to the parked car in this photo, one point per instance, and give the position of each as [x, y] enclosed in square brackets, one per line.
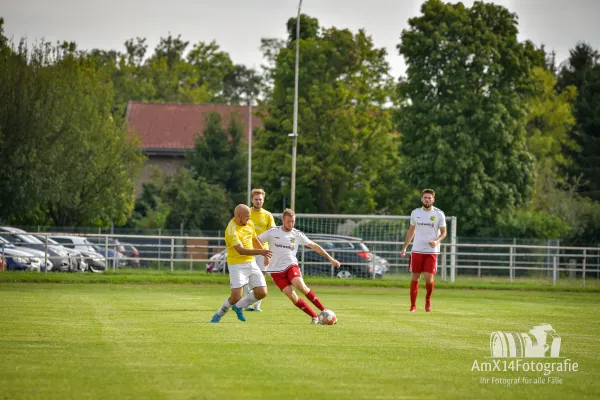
[79, 243]
[217, 262]
[355, 258]
[113, 258]
[20, 238]
[96, 262]
[132, 254]
[73, 255]
[20, 260]
[113, 244]
[43, 257]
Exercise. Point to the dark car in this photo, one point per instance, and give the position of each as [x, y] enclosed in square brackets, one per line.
[351, 252]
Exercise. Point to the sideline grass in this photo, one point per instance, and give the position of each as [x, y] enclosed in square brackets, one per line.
[142, 276]
[155, 342]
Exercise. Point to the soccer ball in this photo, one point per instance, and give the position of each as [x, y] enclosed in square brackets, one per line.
[327, 317]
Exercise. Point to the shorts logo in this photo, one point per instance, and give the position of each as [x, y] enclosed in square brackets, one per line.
[432, 218]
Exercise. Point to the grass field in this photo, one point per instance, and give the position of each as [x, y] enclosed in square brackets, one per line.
[107, 341]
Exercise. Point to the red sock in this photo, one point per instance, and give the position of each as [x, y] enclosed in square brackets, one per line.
[414, 290]
[429, 287]
[301, 304]
[315, 300]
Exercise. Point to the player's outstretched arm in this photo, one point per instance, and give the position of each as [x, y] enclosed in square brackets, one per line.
[409, 237]
[252, 252]
[325, 254]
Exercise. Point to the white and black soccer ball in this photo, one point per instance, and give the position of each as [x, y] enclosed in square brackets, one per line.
[327, 317]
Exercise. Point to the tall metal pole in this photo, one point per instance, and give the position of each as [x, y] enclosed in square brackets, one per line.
[295, 127]
[249, 148]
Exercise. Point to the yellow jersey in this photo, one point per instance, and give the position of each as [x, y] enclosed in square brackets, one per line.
[236, 234]
[263, 220]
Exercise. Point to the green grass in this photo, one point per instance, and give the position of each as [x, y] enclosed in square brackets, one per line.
[145, 276]
[108, 341]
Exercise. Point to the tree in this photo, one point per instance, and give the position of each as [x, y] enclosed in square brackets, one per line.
[66, 159]
[345, 140]
[463, 114]
[219, 156]
[170, 201]
[582, 70]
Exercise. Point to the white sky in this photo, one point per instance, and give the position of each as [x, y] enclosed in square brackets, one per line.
[238, 25]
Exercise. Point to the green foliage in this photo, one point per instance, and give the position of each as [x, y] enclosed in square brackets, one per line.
[170, 201]
[549, 121]
[66, 158]
[219, 156]
[528, 224]
[463, 109]
[582, 70]
[346, 143]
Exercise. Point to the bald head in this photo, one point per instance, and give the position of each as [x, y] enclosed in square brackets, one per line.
[241, 214]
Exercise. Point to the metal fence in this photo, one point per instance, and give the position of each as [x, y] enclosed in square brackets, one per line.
[206, 254]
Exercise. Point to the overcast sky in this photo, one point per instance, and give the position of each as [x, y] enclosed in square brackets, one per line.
[238, 25]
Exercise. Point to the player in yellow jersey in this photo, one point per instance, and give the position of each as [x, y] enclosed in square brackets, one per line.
[242, 245]
[263, 220]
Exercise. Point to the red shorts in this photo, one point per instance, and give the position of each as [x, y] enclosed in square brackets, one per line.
[284, 279]
[420, 262]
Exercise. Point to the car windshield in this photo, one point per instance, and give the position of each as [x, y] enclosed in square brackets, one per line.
[29, 239]
[50, 241]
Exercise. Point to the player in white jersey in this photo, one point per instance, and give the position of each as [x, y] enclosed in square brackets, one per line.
[283, 267]
[428, 227]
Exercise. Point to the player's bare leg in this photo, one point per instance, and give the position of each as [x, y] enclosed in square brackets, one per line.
[429, 287]
[414, 290]
[300, 285]
[298, 302]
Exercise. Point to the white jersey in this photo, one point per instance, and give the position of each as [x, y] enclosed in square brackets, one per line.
[284, 246]
[427, 228]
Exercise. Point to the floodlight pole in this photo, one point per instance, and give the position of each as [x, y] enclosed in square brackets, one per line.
[295, 123]
[249, 149]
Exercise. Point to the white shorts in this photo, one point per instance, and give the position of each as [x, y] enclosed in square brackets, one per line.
[246, 273]
[260, 261]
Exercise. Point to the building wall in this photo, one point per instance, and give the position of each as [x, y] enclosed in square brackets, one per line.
[168, 165]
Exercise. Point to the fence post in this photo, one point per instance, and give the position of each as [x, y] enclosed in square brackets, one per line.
[302, 260]
[511, 263]
[479, 269]
[453, 251]
[583, 269]
[3, 259]
[373, 263]
[46, 255]
[159, 246]
[331, 269]
[555, 264]
[172, 250]
[444, 263]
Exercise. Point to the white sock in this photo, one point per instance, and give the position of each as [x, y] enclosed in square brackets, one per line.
[246, 301]
[257, 304]
[246, 290]
[224, 308]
